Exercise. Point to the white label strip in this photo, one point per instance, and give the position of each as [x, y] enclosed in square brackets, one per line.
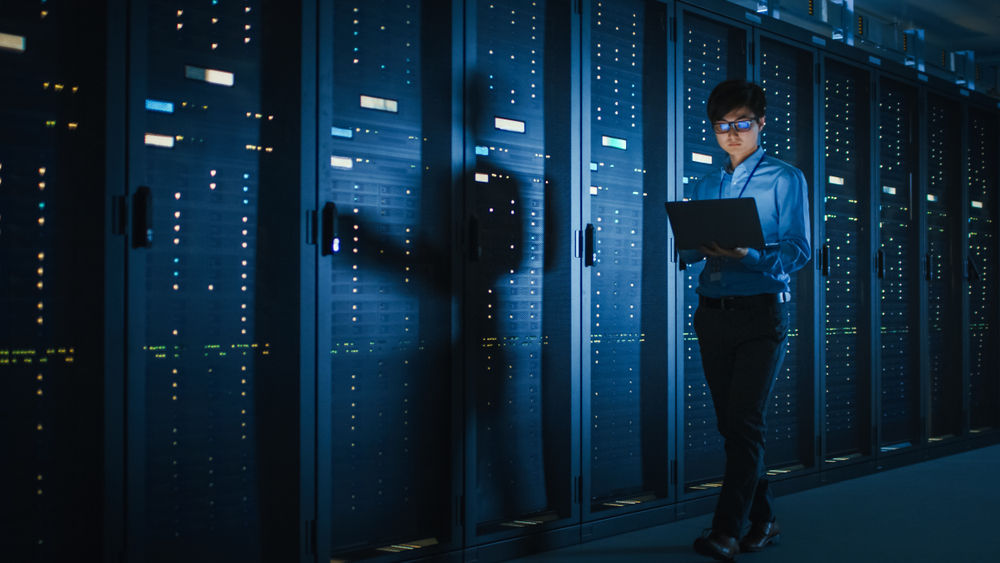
[344, 162]
[381, 104]
[482, 178]
[13, 42]
[154, 140]
[889, 190]
[210, 75]
[702, 158]
[931, 197]
[977, 204]
[504, 124]
[836, 180]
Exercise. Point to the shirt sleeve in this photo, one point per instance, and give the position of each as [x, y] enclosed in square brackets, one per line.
[793, 250]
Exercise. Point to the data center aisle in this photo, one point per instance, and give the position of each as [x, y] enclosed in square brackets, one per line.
[936, 511]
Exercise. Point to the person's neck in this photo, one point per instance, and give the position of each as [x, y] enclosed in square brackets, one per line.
[735, 161]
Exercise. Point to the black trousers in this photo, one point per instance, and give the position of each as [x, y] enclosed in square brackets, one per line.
[742, 345]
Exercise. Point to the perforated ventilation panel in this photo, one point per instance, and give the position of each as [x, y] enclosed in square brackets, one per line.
[388, 298]
[628, 371]
[943, 192]
[846, 211]
[981, 160]
[786, 76]
[712, 52]
[51, 280]
[899, 238]
[201, 155]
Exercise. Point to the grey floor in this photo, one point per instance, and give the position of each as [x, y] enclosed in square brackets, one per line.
[945, 510]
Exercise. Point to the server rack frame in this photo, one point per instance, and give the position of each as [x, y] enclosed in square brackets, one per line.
[693, 502]
[790, 36]
[600, 523]
[495, 545]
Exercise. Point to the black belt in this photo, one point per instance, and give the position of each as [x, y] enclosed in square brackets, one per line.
[743, 302]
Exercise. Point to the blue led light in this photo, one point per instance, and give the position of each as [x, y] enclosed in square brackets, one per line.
[482, 151]
[41, 205]
[341, 132]
[335, 246]
[160, 106]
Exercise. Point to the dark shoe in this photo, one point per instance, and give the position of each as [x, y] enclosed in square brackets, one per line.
[760, 535]
[717, 545]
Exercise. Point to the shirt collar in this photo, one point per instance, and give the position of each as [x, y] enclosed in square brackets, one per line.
[749, 163]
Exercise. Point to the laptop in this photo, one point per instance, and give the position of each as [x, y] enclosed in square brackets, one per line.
[729, 222]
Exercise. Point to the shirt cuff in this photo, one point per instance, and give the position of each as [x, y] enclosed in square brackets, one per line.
[752, 258]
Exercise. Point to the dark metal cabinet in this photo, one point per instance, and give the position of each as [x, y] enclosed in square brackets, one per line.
[53, 358]
[942, 266]
[626, 402]
[518, 295]
[898, 267]
[786, 72]
[709, 52]
[212, 384]
[845, 255]
[385, 359]
[981, 267]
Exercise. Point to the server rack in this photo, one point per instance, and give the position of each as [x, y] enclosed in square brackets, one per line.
[53, 349]
[709, 52]
[521, 340]
[387, 436]
[211, 410]
[981, 153]
[626, 443]
[943, 197]
[788, 73]
[897, 267]
[845, 256]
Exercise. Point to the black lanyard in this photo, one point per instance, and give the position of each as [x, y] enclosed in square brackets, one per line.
[723, 179]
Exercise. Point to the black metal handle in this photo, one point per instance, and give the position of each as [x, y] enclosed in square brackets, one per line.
[928, 267]
[589, 256]
[971, 270]
[880, 263]
[475, 247]
[142, 218]
[825, 260]
[330, 230]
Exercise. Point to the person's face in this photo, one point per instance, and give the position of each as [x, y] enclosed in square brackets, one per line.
[738, 142]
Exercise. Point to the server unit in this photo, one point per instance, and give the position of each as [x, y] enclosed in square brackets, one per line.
[385, 360]
[626, 399]
[202, 140]
[845, 257]
[898, 267]
[52, 295]
[710, 52]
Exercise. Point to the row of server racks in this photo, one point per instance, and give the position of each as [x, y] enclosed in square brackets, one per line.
[392, 280]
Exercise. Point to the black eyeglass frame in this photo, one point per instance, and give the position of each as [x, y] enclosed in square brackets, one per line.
[724, 126]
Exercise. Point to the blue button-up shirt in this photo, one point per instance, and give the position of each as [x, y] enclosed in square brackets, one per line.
[783, 205]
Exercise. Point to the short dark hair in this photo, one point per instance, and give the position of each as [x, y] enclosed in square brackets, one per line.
[733, 94]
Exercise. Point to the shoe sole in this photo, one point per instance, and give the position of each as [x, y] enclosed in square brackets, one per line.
[714, 555]
[773, 541]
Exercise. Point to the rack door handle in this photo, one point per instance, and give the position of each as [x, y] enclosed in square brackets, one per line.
[142, 218]
[589, 256]
[475, 246]
[880, 263]
[971, 270]
[330, 230]
[928, 267]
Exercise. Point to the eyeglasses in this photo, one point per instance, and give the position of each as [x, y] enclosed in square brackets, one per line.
[740, 124]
